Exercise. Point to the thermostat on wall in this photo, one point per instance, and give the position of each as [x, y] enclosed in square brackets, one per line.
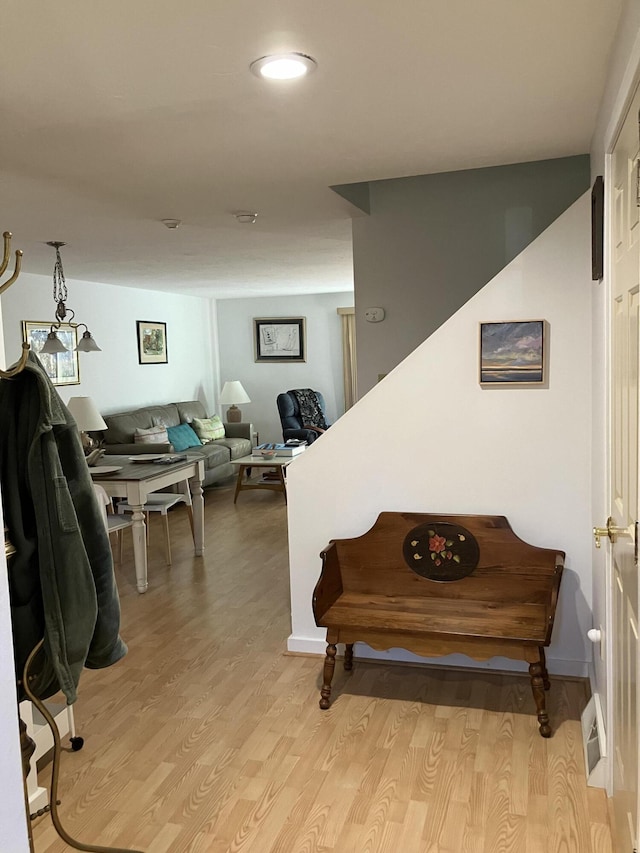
[374, 315]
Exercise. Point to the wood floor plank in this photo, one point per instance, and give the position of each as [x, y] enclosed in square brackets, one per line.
[207, 737]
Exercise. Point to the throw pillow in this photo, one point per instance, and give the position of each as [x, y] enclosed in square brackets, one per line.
[182, 437]
[153, 435]
[208, 429]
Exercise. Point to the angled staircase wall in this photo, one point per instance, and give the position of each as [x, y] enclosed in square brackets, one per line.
[430, 242]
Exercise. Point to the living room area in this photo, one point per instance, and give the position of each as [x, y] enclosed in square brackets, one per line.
[208, 342]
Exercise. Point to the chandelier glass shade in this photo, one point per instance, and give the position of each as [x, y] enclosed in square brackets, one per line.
[53, 344]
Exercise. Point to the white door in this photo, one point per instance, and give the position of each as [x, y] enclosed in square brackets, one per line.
[625, 280]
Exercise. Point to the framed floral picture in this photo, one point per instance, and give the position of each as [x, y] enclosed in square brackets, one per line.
[62, 368]
[279, 339]
[152, 342]
[512, 353]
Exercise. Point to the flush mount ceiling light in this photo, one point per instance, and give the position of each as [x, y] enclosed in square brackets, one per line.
[283, 66]
[172, 224]
[53, 344]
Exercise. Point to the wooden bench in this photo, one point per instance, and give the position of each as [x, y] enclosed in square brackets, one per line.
[439, 584]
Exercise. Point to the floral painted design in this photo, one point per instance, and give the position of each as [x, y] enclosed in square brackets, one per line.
[440, 548]
[441, 552]
[438, 543]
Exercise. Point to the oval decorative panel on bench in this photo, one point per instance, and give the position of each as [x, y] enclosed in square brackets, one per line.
[441, 552]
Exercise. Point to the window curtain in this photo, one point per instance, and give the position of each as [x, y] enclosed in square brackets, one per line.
[348, 321]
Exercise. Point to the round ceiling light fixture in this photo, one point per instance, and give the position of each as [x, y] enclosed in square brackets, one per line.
[172, 224]
[283, 66]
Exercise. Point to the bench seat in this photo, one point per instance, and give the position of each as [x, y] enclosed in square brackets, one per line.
[439, 617]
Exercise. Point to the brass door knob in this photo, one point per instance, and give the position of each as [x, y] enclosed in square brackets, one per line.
[610, 530]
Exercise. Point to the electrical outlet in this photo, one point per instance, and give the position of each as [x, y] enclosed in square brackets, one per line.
[374, 315]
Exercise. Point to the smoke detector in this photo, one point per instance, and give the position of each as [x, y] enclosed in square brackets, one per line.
[246, 217]
[172, 224]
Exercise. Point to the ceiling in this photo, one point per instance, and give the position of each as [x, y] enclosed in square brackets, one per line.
[118, 115]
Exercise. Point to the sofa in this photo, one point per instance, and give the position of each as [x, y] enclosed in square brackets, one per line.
[118, 438]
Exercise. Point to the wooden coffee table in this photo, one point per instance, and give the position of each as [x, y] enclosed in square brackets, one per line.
[277, 464]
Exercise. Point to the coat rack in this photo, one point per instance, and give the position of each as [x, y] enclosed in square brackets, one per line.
[27, 745]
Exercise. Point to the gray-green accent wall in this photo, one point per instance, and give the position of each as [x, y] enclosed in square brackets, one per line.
[432, 241]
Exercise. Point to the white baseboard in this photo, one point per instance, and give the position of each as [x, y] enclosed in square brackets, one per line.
[556, 666]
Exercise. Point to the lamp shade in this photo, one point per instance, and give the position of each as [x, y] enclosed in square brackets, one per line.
[53, 344]
[87, 343]
[233, 392]
[86, 414]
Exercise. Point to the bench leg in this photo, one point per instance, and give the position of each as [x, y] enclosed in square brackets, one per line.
[537, 686]
[327, 675]
[545, 674]
[348, 656]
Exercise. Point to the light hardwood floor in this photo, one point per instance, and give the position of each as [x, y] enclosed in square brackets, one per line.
[208, 737]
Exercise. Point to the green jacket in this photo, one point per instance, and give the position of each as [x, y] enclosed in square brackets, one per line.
[61, 580]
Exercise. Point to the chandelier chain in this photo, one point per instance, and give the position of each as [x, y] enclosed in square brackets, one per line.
[59, 282]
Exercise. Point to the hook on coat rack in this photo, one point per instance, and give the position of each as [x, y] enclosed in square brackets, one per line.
[17, 368]
[5, 261]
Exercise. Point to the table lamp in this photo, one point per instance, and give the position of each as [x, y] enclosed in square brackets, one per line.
[232, 393]
[88, 419]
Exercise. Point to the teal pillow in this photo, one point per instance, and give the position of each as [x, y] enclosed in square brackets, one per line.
[183, 437]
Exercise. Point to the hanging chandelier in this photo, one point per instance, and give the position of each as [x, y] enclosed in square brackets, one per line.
[53, 344]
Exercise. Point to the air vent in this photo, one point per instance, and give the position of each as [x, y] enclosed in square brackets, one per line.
[595, 743]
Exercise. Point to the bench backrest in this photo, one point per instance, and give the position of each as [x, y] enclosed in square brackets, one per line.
[508, 569]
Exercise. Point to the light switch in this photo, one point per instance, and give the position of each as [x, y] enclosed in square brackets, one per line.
[374, 315]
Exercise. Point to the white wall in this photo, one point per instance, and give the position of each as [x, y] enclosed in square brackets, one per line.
[12, 808]
[520, 452]
[322, 370]
[113, 377]
[13, 826]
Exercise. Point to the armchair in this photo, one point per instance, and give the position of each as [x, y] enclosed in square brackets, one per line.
[293, 425]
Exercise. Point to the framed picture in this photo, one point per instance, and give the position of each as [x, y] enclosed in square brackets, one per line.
[512, 353]
[279, 338]
[597, 229]
[152, 342]
[62, 368]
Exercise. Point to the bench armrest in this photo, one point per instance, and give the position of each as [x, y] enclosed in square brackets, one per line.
[329, 586]
[553, 598]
